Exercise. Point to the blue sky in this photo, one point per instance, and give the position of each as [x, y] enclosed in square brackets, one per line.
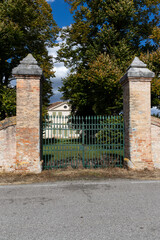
[62, 16]
[61, 13]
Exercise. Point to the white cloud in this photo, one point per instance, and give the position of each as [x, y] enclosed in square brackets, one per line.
[60, 72]
[50, 0]
[53, 51]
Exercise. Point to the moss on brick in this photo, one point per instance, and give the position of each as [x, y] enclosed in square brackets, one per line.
[7, 122]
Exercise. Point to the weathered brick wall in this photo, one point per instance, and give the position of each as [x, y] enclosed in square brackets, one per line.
[126, 121]
[155, 133]
[137, 123]
[137, 118]
[28, 114]
[28, 124]
[8, 144]
[140, 124]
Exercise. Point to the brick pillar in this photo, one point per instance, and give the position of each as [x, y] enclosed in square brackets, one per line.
[28, 115]
[137, 114]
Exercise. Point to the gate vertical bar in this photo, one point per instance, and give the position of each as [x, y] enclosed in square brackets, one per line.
[123, 141]
[83, 142]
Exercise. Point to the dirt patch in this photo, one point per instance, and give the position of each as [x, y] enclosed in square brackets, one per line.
[78, 174]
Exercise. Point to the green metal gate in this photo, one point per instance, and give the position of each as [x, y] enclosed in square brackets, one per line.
[88, 142]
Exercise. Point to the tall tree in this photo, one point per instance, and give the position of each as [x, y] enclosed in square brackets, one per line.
[119, 29]
[26, 26]
[95, 90]
[153, 62]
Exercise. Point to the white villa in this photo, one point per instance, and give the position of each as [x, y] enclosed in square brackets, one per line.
[58, 124]
[59, 109]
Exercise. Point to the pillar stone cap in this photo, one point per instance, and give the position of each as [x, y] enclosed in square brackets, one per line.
[28, 66]
[137, 69]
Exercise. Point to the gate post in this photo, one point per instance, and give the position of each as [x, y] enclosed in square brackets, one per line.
[28, 115]
[136, 85]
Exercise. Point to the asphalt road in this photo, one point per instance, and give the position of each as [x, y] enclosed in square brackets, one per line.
[90, 210]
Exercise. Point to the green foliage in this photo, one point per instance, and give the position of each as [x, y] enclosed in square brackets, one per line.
[116, 29]
[153, 62]
[8, 102]
[112, 132]
[26, 26]
[95, 90]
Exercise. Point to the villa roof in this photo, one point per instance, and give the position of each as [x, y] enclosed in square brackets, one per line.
[56, 104]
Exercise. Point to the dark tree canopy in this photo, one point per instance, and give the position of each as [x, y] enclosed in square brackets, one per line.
[95, 90]
[26, 26]
[118, 30]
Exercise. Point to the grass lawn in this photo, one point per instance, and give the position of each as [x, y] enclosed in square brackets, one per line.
[62, 155]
